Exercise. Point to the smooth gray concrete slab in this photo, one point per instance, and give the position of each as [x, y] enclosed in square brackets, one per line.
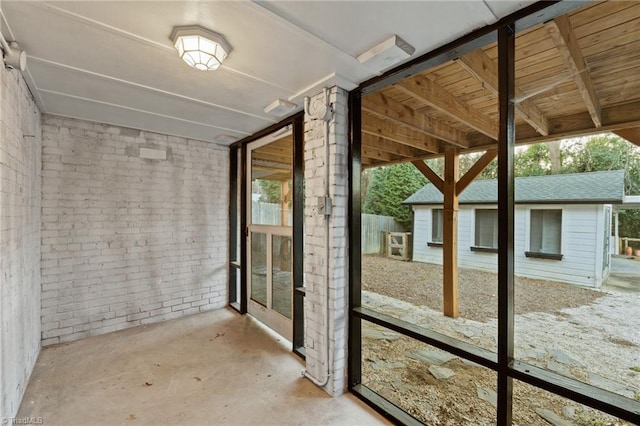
[625, 275]
[213, 368]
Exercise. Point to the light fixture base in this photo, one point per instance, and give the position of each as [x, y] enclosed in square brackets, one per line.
[386, 54]
[280, 108]
[15, 57]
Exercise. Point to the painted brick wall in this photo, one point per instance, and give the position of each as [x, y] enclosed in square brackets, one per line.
[315, 243]
[20, 148]
[134, 228]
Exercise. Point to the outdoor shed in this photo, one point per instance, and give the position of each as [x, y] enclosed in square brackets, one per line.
[562, 226]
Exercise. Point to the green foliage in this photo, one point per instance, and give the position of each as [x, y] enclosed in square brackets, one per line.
[388, 187]
[606, 152]
[269, 191]
[533, 161]
[629, 223]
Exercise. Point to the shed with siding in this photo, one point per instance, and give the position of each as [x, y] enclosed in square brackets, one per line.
[562, 225]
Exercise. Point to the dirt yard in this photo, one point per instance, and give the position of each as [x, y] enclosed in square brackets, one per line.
[421, 284]
[560, 327]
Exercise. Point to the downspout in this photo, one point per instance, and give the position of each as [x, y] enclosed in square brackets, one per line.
[323, 111]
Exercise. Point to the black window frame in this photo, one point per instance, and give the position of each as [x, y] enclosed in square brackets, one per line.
[433, 226]
[537, 252]
[493, 248]
[502, 361]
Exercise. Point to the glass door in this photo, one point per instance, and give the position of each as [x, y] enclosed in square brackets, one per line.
[269, 231]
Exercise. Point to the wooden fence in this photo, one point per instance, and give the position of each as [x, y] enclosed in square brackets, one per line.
[372, 228]
[268, 214]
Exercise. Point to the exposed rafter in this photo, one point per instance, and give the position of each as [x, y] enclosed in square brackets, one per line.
[485, 70]
[390, 147]
[377, 154]
[430, 93]
[384, 107]
[565, 40]
[632, 135]
[614, 118]
[394, 132]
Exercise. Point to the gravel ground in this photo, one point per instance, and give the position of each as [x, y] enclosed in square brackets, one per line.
[588, 335]
[421, 284]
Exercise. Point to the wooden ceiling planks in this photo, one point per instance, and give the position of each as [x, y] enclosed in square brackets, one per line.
[555, 100]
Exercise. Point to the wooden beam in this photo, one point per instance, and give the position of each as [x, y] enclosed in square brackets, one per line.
[387, 108]
[565, 40]
[401, 160]
[429, 174]
[257, 155]
[393, 132]
[284, 197]
[430, 93]
[475, 170]
[391, 147]
[485, 70]
[376, 154]
[614, 118]
[450, 236]
[632, 135]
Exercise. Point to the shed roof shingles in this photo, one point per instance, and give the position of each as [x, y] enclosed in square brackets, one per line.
[585, 188]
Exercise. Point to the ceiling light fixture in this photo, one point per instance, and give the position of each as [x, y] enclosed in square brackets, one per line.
[200, 48]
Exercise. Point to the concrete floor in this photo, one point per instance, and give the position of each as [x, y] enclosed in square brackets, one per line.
[213, 368]
[625, 275]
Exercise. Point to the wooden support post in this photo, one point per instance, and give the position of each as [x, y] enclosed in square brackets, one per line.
[284, 200]
[450, 235]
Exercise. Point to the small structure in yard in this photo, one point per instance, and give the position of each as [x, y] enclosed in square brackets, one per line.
[562, 225]
[398, 245]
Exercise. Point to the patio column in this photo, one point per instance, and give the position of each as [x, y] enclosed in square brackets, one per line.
[451, 187]
[450, 235]
[326, 241]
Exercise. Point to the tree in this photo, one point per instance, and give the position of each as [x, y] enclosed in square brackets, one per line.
[605, 152]
[534, 160]
[609, 152]
[269, 190]
[388, 187]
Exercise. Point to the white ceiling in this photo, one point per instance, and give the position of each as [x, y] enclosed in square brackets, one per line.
[113, 62]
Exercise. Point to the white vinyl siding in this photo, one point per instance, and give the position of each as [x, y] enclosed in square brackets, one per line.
[580, 240]
[546, 231]
[486, 228]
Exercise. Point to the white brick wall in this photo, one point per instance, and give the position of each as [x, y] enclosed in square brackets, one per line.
[129, 240]
[20, 161]
[314, 246]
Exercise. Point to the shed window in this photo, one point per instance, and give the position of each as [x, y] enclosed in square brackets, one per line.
[546, 233]
[487, 228]
[436, 225]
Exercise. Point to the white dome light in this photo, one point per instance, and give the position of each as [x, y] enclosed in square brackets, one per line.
[200, 48]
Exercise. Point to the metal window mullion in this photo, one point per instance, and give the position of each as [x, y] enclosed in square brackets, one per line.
[506, 143]
[354, 354]
[298, 232]
[269, 270]
[243, 230]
